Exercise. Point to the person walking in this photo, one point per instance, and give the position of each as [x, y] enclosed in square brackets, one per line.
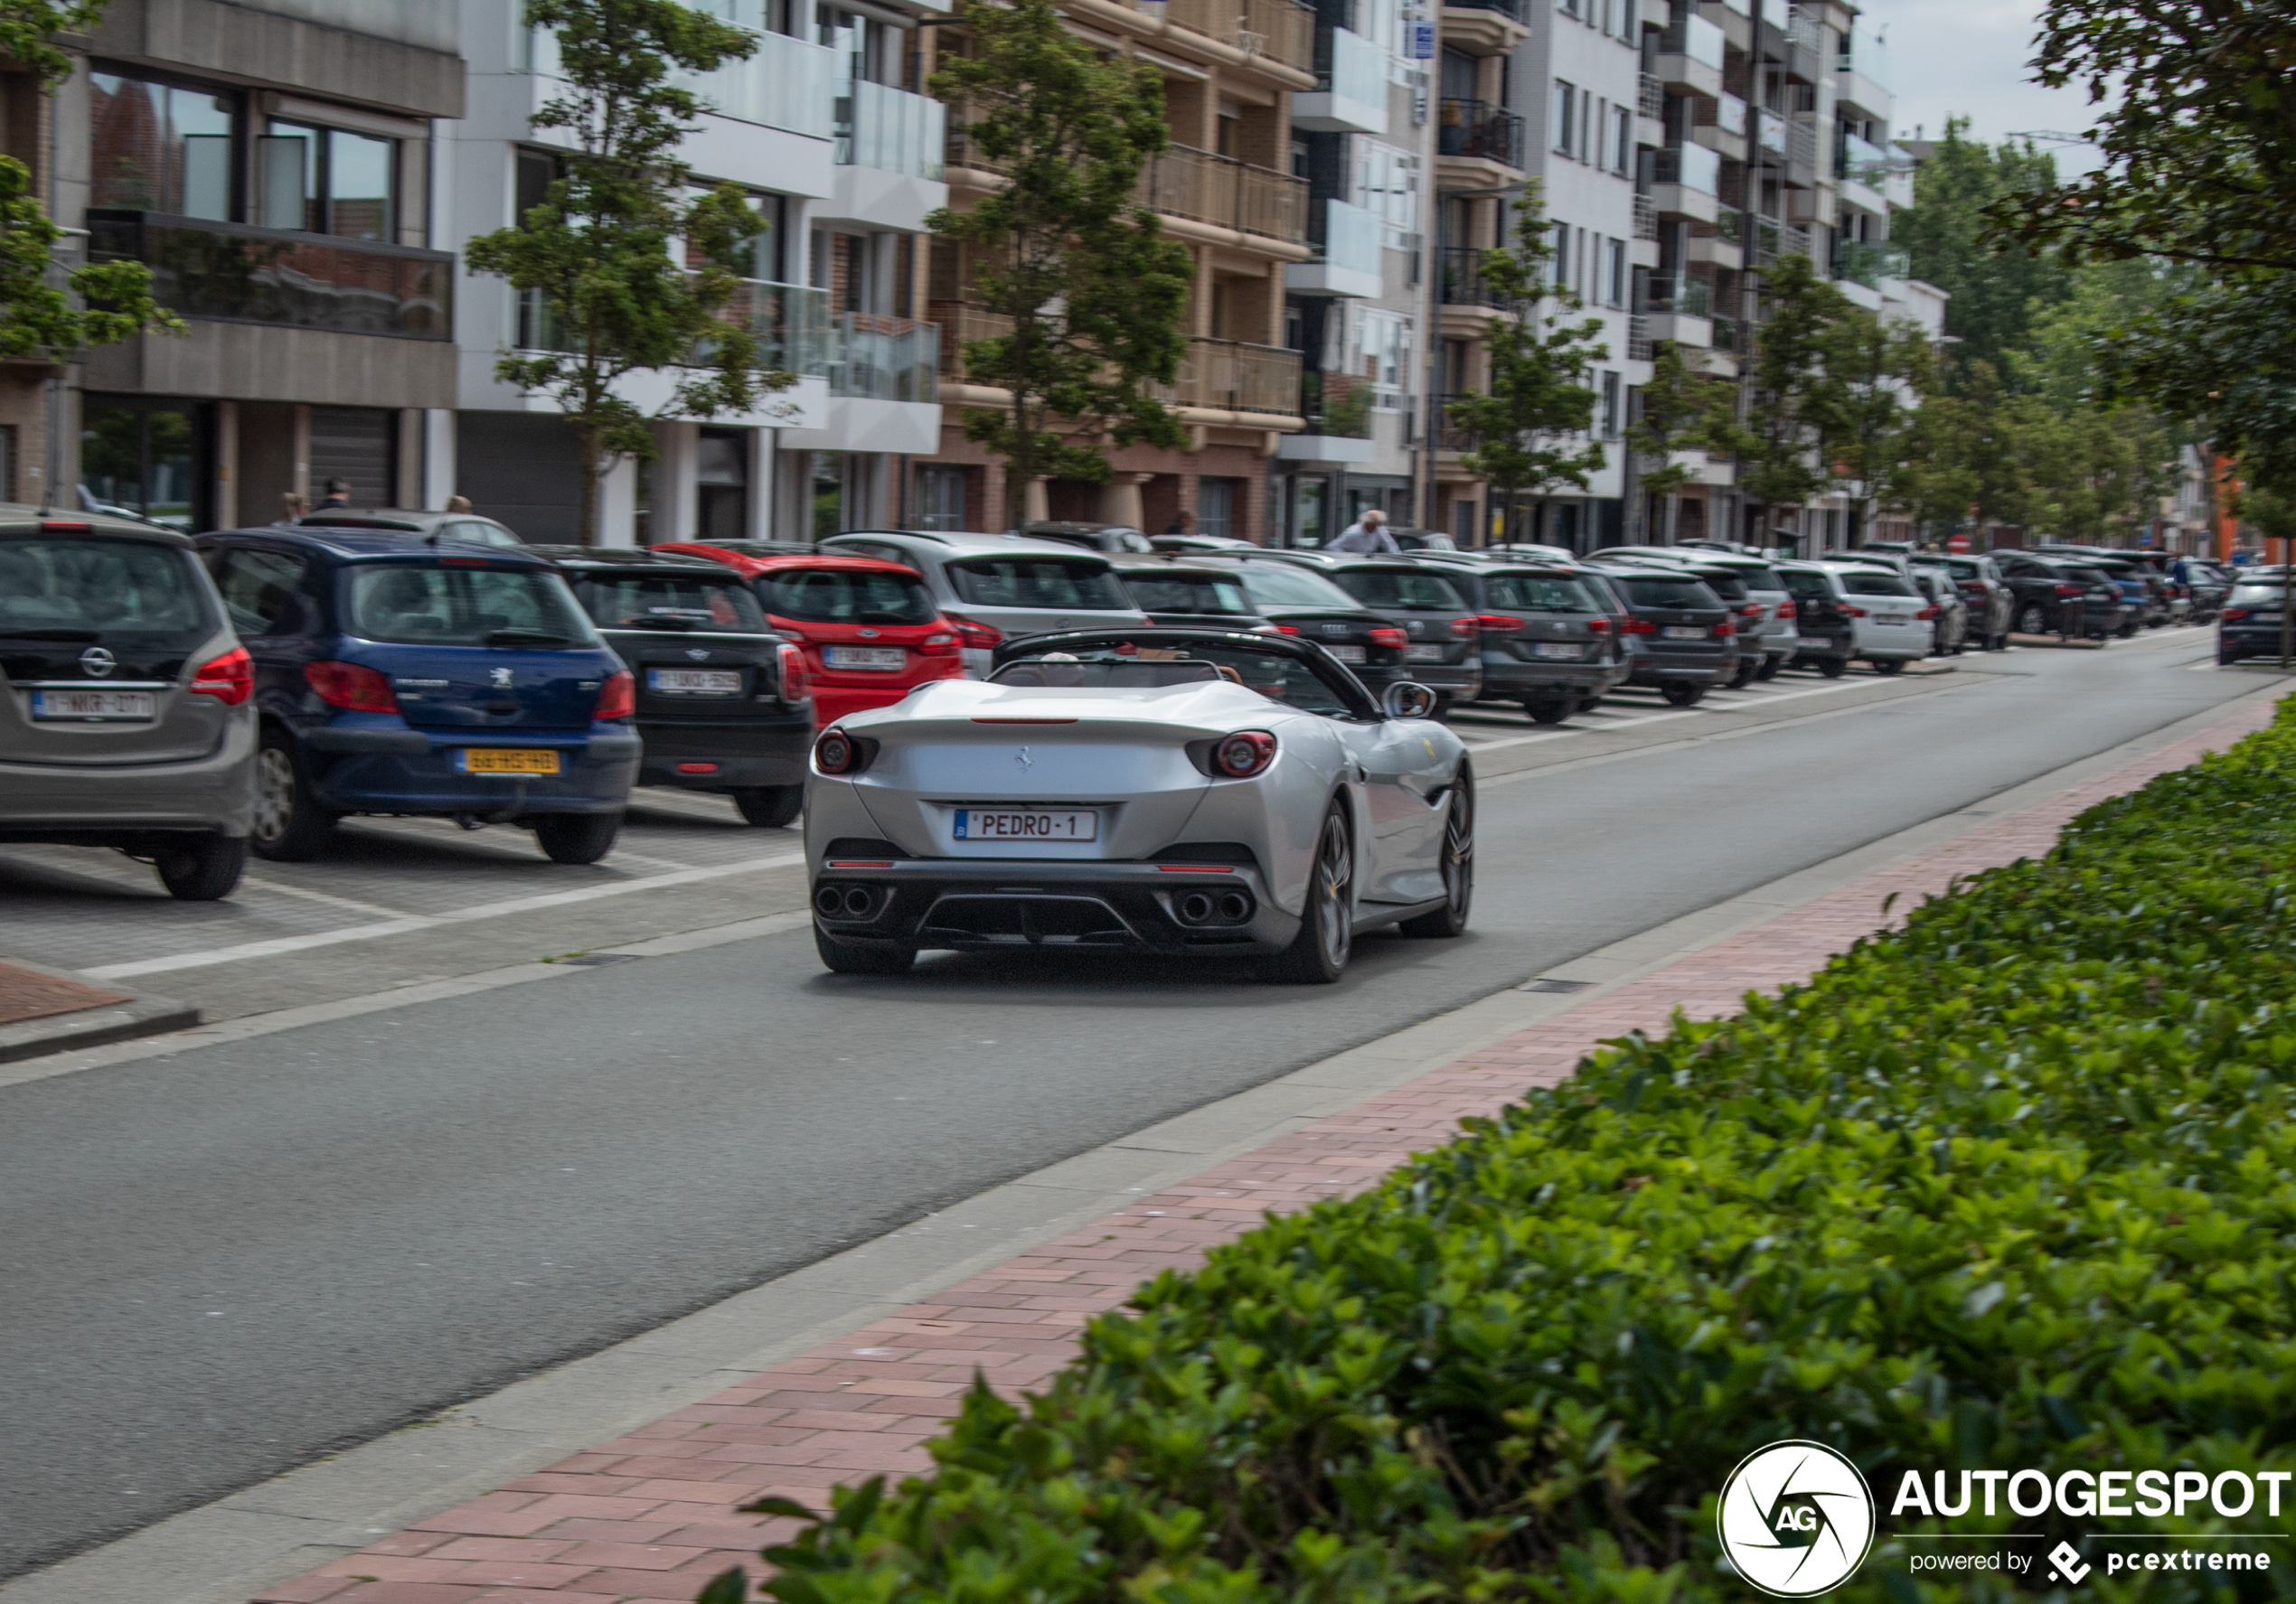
[1367, 533]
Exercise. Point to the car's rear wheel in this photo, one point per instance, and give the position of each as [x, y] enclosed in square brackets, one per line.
[1889, 665]
[1319, 953]
[1682, 693]
[1771, 668]
[844, 958]
[1833, 668]
[1548, 709]
[289, 824]
[576, 838]
[2226, 654]
[1747, 669]
[770, 807]
[2032, 619]
[1458, 867]
[201, 867]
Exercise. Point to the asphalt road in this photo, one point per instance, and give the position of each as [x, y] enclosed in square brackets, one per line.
[225, 1262]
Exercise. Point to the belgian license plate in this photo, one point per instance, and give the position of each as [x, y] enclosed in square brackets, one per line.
[1554, 649]
[1424, 654]
[865, 657]
[1027, 824]
[97, 705]
[501, 760]
[1347, 653]
[1680, 632]
[693, 681]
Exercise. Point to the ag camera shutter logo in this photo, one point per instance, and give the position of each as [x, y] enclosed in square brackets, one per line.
[1796, 1520]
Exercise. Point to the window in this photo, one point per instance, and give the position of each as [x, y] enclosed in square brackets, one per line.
[1216, 508]
[1038, 582]
[1667, 592]
[1386, 184]
[1394, 587]
[1622, 141]
[1272, 585]
[1538, 593]
[1611, 397]
[1616, 272]
[937, 501]
[144, 458]
[330, 180]
[1180, 591]
[137, 588]
[848, 596]
[465, 607]
[1874, 585]
[153, 147]
[259, 589]
[1382, 354]
[1566, 117]
[1560, 246]
[659, 602]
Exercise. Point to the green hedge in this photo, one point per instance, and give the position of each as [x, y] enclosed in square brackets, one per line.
[2009, 1188]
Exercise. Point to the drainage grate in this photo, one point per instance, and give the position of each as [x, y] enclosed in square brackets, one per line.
[1556, 986]
[592, 959]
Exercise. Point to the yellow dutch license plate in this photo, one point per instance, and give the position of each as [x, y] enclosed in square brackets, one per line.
[501, 760]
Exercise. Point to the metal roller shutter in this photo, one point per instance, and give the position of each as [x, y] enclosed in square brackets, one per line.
[359, 444]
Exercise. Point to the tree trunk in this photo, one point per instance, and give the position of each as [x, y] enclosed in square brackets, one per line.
[1673, 516]
[586, 486]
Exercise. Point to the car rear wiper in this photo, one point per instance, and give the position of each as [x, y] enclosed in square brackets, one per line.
[49, 635]
[525, 637]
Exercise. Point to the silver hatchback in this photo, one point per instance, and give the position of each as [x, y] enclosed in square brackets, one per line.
[127, 712]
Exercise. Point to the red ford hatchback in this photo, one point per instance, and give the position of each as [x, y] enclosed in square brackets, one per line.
[870, 630]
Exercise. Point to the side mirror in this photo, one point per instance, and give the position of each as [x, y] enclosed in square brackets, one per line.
[1407, 699]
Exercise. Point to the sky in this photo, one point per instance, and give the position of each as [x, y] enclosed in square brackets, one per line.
[1969, 57]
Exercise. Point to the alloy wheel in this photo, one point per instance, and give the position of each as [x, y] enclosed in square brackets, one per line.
[274, 793]
[1334, 871]
[1459, 853]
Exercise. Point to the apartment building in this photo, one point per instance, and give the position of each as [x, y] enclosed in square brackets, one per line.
[270, 161]
[1229, 190]
[842, 164]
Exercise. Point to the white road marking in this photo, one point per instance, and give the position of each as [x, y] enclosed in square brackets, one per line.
[412, 922]
[327, 897]
[1746, 703]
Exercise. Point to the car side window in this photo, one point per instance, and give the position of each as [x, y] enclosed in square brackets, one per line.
[262, 591]
[882, 553]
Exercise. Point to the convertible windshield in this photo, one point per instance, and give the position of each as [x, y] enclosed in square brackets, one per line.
[1279, 676]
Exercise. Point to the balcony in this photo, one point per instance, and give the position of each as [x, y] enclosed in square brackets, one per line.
[1645, 218]
[1230, 376]
[1347, 260]
[1477, 130]
[1769, 130]
[890, 130]
[1858, 262]
[1447, 436]
[1725, 247]
[1683, 181]
[788, 84]
[1351, 94]
[884, 358]
[1650, 96]
[1283, 31]
[1690, 54]
[237, 273]
[790, 323]
[1486, 27]
[961, 322]
[1674, 295]
[1198, 186]
[1769, 239]
[1459, 281]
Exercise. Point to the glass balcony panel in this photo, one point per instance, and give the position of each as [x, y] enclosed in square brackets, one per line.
[1729, 115]
[1868, 264]
[237, 273]
[1352, 66]
[1694, 37]
[788, 84]
[1773, 132]
[1459, 277]
[884, 358]
[891, 130]
[1867, 55]
[1693, 166]
[1676, 294]
[1350, 238]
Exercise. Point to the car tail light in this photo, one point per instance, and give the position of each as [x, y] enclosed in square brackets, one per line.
[1926, 614]
[940, 644]
[1285, 628]
[64, 526]
[1725, 630]
[2233, 615]
[351, 685]
[1466, 629]
[788, 632]
[1751, 610]
[697, 768]
[618, 697]
[795, 686]
[981, 637]
[1848, 611]
[228, 679]
[1246, 753]
[1636, 626]
[2068, 590]
[838, 753]
[1390, 637]
[1599, 626]
[1788, 610]
[1498, 624]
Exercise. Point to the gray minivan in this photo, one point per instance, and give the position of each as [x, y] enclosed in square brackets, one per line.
[127, 712]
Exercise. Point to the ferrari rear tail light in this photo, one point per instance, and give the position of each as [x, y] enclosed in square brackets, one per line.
[796, 687]
[1246, 753]
[1498, 624]
[618, 697]
[1636, 626]
[981, 637]
[1787, 610]
[1390, 637]
[837, 753]
[351, 685]
[1466, 629]
[228, 679]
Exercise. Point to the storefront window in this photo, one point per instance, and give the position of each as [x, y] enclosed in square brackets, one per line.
[143, 458]
[153, 147]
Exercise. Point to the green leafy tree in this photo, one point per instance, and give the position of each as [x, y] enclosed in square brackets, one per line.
[1682, 410]
[1780, 445]
[1869, 407]
[598, 256]
[1997, 286]
[1538, 397]
[2223, 359]
[28, 30]
[1093, 293]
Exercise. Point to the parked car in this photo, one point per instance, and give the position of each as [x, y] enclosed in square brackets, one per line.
[995, 587]
[398, 675]
[1180, 595]
[1766, 634]
[1272, 808]
[1550, 635]
[125, 712]
[2208, 585]
[2249, 625]
[722, 702]
[465, 527]
[1199, 545]
[2146, 598]
[1297, 601]
[1891, 620]
[1949, 614]
[1985, 596]
[1680, 637]
[867, 630]
[2057, 595]
[1113, 538]
[1443, 651]
[1826, 631]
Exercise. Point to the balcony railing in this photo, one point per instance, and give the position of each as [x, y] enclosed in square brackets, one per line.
[1729, 223]
[790, 323]
[1651, 93]
[1350, 66]
[891, 130]
[1729, 114]
[884, 358]
[1675, 295]
[1459, 277]
[1861, 263]
[960, 322]
[1229, 376]
[1479, 128]
[1692, 167]
[1772, 240]
[1694, 37]
[1802, 28]
[1864, 53]
[1861, 161]
[1771, 131]
[1802, 144]
[1281, 29]
[1645, 218]
[1448, 435]
[787, 84]
[237, 273]
[1207, 188]
[1729, 336]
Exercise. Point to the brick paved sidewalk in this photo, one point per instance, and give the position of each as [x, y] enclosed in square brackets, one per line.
[649, 1516]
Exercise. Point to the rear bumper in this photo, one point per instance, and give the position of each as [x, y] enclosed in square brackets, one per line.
[1014, 904]
[376, 768]
[763, 751]
[212, 795]
[1708, 668]
[1511, 680]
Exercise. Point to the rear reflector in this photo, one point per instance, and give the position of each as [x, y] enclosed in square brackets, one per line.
[697, 768]
[1194, 868]
[860, 863]
[1024, 721]
[60, 526]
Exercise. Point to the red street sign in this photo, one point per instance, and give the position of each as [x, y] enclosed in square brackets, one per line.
[1957, 543]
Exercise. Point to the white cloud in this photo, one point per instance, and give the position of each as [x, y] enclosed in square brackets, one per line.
[1969, 58]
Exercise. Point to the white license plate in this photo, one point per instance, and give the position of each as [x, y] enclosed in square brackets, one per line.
[1425, 654]
[1554, 649]
[1891, 618]
[694, 681]
[1027, 824]
[1675, 631]
[865, 657]
[1347, 653]
[95, 704]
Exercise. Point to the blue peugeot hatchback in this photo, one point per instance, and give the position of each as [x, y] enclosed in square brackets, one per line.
[397, 674]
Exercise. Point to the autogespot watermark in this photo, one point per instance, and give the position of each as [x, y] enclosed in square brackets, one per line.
[1797, 1519]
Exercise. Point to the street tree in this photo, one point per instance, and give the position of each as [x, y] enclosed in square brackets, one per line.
[1997, 285]
[1091, 295]
[1780, 442]
[1878, 372]
[1683, 410]
[631, 268]
[1528, 423]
